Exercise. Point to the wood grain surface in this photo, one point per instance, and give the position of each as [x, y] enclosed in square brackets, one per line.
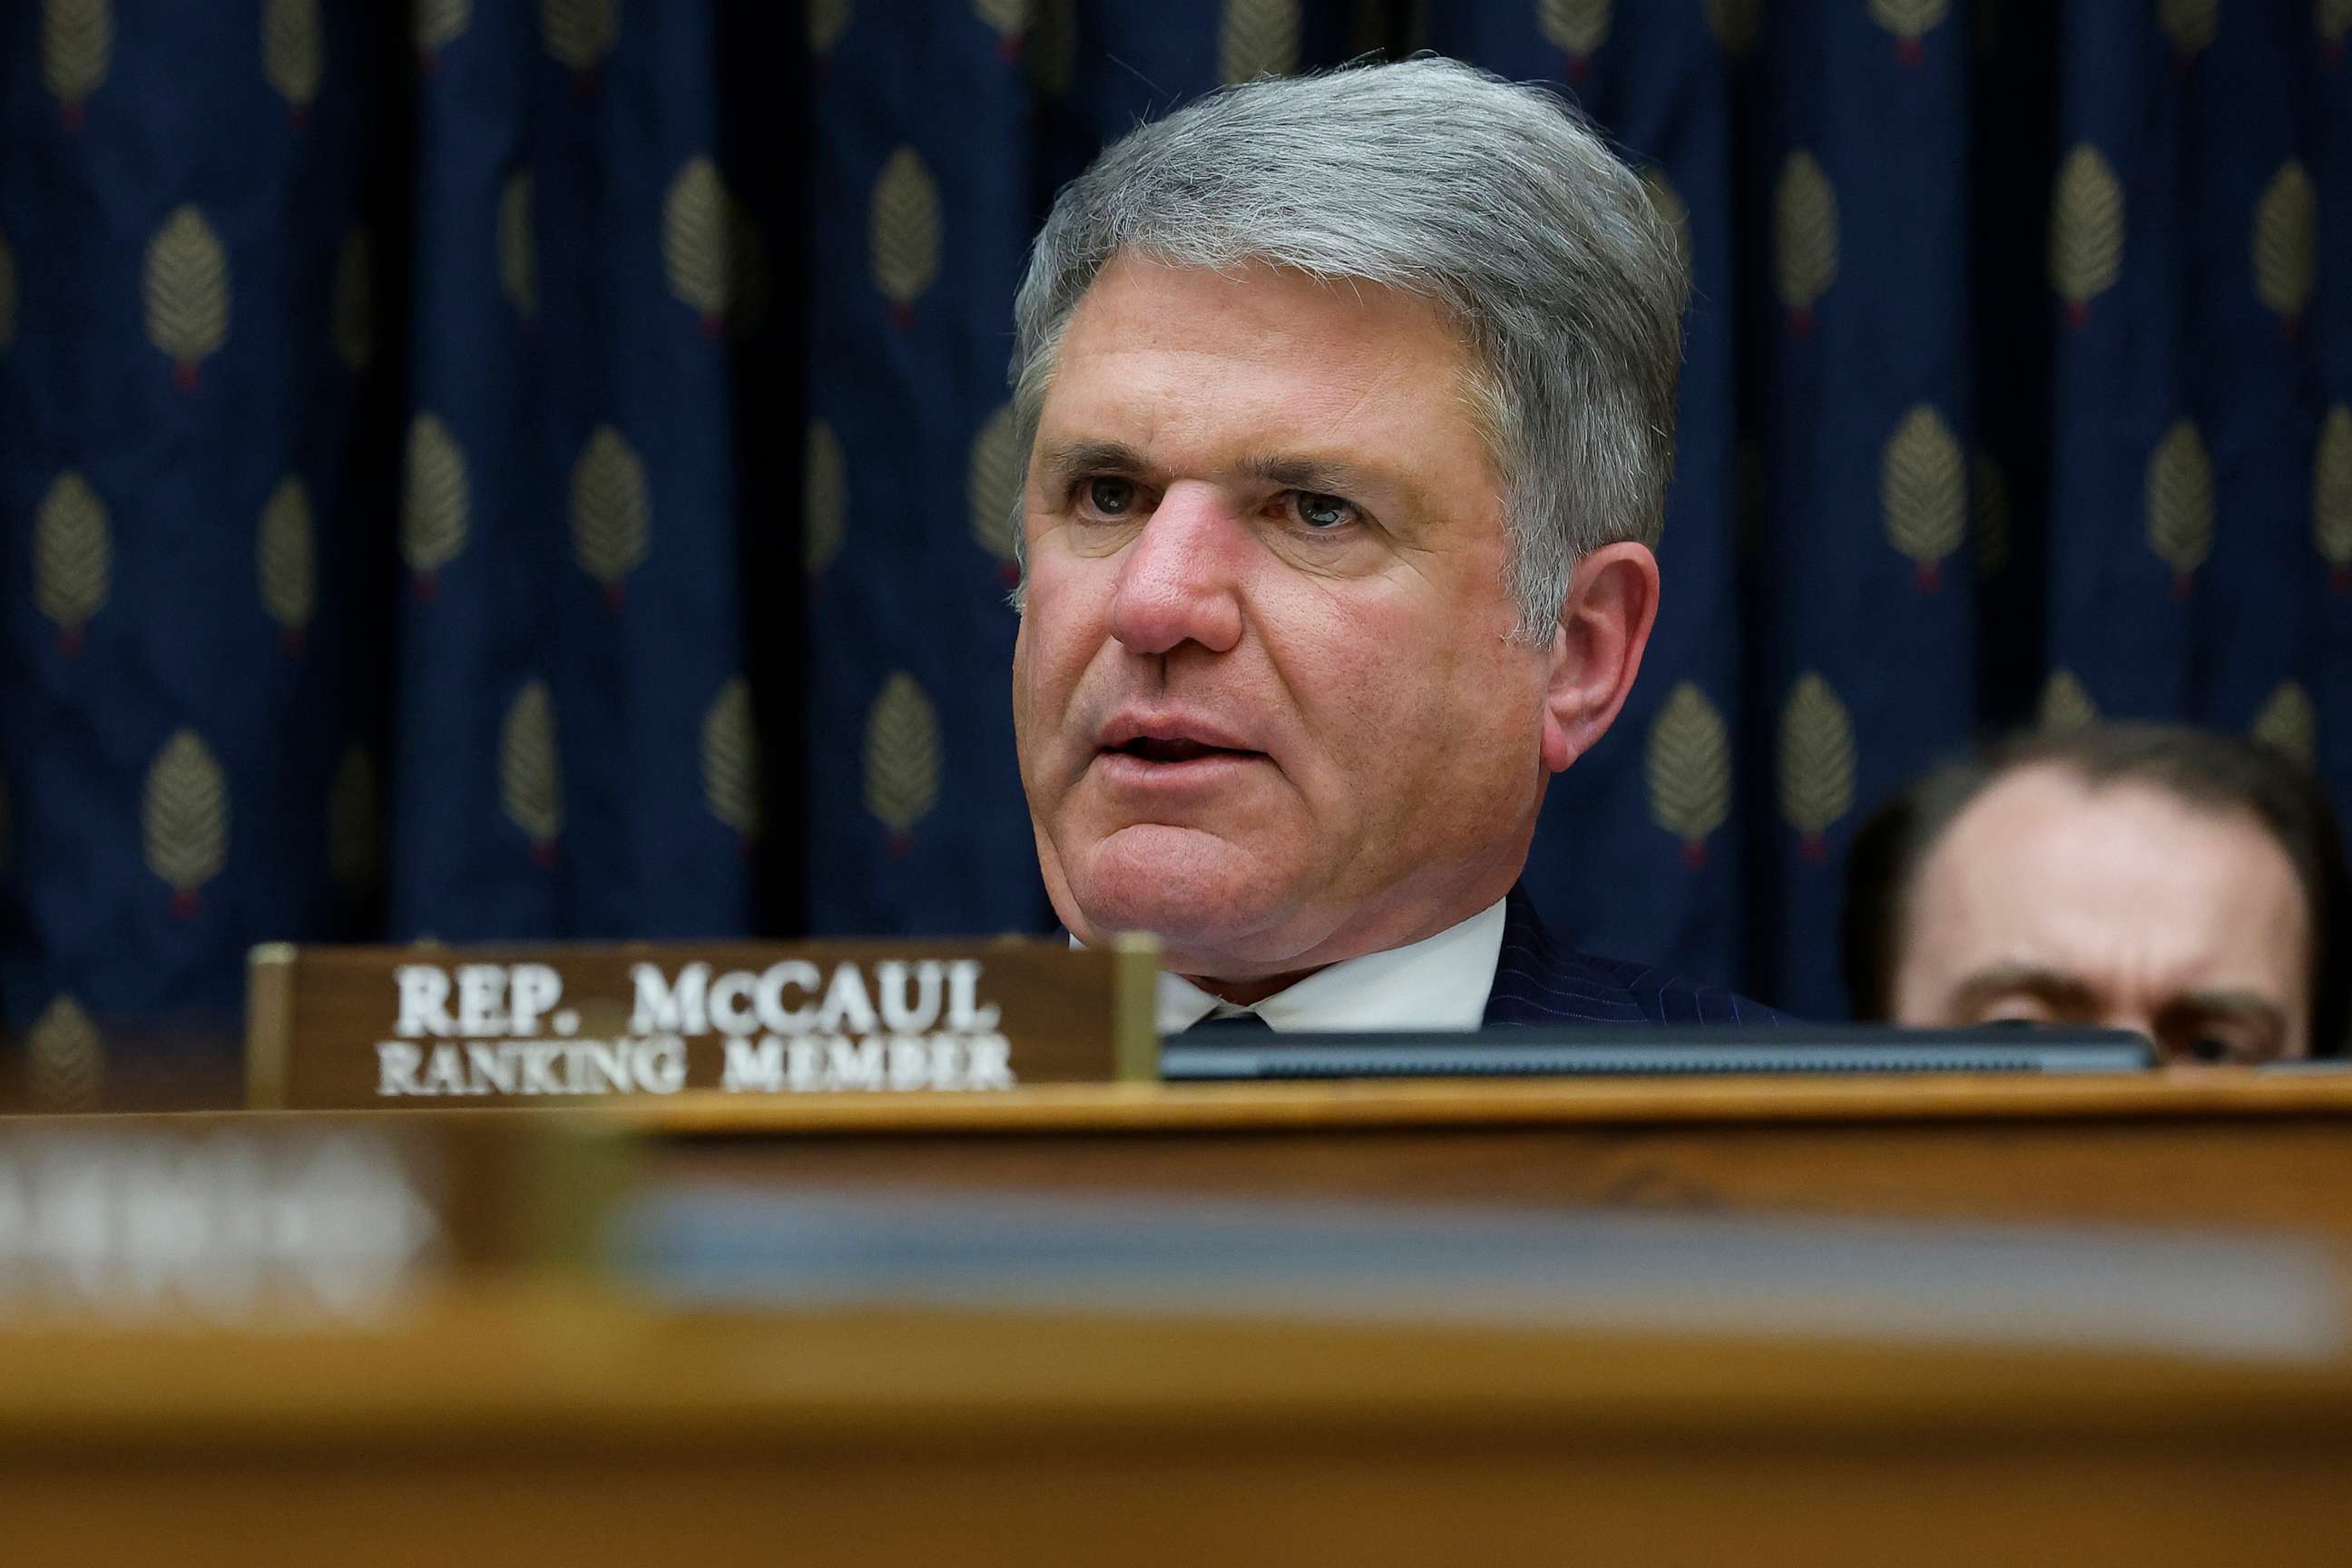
[542, 1427]
[2208, 1147]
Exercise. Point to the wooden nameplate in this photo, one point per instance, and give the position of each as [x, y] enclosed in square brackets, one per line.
[428, 1026]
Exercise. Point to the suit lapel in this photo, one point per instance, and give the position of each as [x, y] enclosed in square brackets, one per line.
[1537, 981]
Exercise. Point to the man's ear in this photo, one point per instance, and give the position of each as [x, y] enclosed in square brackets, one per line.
[1596, 651]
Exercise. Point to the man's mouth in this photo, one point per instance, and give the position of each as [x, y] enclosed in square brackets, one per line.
[1171, 745]
[1176, 748]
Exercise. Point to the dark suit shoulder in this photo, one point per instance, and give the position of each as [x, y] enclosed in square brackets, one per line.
[1538, 981]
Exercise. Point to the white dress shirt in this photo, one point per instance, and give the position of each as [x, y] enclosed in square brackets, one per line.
[1438, 983]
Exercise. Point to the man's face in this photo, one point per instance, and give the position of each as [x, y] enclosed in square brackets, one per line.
[1265, 695]
[2119, 905]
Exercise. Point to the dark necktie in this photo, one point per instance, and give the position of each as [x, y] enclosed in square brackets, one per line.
[1232, 1023]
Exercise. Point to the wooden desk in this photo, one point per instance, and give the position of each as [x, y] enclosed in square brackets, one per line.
[560, 1428]
[536, 1423]
[2207, 1148]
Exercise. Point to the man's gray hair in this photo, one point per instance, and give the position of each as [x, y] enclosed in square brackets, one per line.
[1492, 199]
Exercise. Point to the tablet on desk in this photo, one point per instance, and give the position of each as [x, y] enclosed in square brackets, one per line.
[1583, 1051]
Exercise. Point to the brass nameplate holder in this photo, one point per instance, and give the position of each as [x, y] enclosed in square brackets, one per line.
[427, 1027]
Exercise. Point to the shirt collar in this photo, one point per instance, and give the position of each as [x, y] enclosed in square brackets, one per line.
[1439, 983]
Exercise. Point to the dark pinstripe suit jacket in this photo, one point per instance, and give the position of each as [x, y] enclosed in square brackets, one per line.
[1537, 981]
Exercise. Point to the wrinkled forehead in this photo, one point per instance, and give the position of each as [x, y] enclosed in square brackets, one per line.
[1178, 350]
[2121, 879]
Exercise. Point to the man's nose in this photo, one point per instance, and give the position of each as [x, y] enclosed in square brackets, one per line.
[1180, 581]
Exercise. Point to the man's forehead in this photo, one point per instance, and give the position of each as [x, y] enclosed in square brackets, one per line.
[1254, 368]
[2050, 818]
[2097, 877]
[1256, 314]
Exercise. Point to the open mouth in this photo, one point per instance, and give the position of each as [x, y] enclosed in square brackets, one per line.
[1155, 748]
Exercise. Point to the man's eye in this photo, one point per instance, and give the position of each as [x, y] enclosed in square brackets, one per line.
[1112, 497]
[1321, 511]
[2210, 1046]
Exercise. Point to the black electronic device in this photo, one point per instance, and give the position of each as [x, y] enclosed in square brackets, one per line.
[1639, 1051]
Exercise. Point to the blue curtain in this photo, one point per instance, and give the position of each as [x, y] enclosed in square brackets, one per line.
[505, 469]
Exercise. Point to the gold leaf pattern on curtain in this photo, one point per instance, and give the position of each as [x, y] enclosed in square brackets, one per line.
[73, 557]
[578, 32]
[284, 556]
[439, 24]
[2286, 245]
[65, 1059]
[992, 491]
[1577, 28]
[291, 58]
[1688, 770]
[1008, 19]
[518, 265]
[185, 285]
[1805, 237]
[531, 778]
[903, 232]
[1257, 37]
[730, 759]
[1671, 208]
[609, 510]
[2331, 19]
[1817, 763]
[76, 46]
[827, 20]
[2086, 231]
[434, 504]
[2064, 704]
[824, 497]
[2180, 501]
[1910, 21]
[704, 244]
[2331, 494]
[2290, 723]
[902, 758]
[184, 818]
[2189, 23]
[1923, 492]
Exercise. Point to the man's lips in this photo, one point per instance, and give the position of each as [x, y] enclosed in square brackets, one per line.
[1171, 741]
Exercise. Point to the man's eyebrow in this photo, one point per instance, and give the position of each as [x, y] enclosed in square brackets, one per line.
[1068, 459]
[2062, 992]
[1318, 476]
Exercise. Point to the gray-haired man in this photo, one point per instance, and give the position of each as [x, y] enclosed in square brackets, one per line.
[1349, 406]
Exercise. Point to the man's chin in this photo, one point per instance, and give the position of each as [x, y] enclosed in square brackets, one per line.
[1196, 892]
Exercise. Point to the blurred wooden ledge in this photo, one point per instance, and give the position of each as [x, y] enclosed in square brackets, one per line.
[2178, 1093]
[2211, 1148]
[499, 1357]
[551, 1427]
